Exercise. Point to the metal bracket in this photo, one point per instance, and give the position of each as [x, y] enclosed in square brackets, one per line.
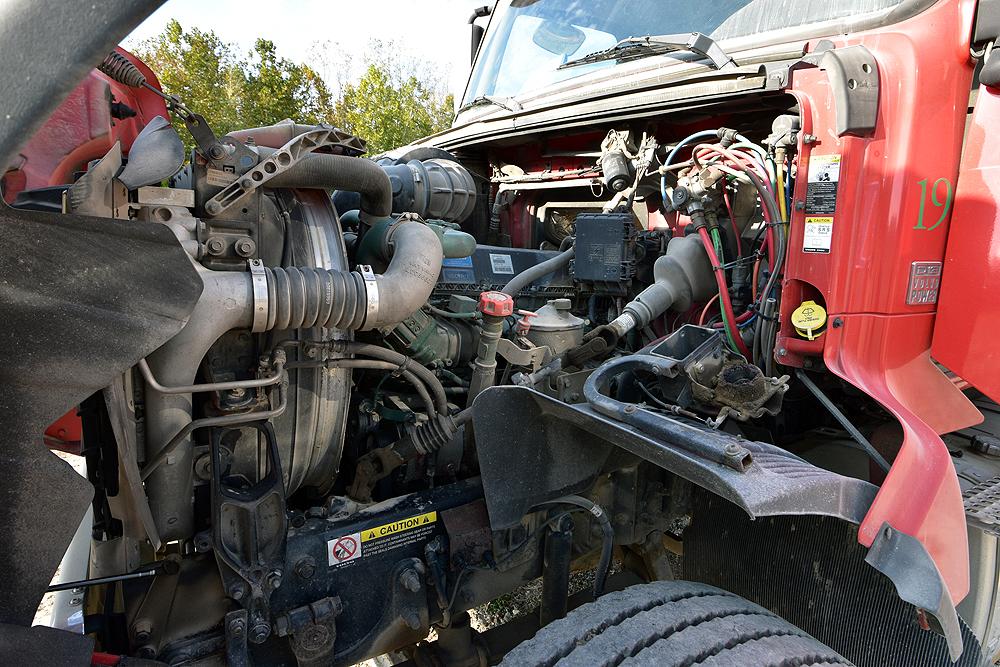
[279, 162]
[258, 277]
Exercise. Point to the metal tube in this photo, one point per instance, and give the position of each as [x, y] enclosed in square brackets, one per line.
[147, 375]
[225, 420]
[485, 365]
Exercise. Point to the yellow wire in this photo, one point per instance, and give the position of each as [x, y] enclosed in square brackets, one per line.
[780, 192]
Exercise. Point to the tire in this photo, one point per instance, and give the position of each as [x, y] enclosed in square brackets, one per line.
[671, 623]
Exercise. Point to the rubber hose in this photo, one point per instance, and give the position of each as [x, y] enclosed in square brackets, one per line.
[528, 276]
[302, 298]
[340, 172]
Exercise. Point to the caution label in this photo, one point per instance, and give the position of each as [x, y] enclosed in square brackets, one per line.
[818, 234]
[400, 526]
[380, 539]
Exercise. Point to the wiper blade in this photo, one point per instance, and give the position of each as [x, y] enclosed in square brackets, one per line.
[508, 103]
[633, 48]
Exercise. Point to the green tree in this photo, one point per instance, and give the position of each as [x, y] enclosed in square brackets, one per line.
[389, 109]
[394, 103]
[201, 70]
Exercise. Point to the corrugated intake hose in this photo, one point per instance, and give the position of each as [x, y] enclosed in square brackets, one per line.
[341, 172]
[300, 298]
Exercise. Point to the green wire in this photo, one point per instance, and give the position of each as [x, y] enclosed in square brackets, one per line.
[717, 242]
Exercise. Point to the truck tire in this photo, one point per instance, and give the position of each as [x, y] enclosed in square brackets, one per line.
[671, 623]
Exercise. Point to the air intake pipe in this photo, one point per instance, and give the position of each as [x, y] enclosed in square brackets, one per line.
[301, 298]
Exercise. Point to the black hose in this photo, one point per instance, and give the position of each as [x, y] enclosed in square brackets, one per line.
[607, 534]
[373, 364]
[528, 276]
[403, 362]
[341, 172]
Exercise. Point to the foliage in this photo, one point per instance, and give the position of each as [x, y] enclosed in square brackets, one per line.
[393, 103]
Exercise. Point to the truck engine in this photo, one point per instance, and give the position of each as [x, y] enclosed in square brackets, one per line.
[410, 383]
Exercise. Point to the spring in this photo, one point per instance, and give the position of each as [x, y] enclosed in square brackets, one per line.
[119, 68]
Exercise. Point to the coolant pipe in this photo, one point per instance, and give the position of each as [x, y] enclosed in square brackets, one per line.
[681, 276]
[712, 445]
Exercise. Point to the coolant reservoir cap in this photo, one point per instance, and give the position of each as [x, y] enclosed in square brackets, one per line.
[809, 320]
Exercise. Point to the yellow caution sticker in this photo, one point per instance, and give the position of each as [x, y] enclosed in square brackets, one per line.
[401, 526]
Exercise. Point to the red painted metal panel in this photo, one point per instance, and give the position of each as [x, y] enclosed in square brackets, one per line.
[877, 341]
[82, 129]
[968, 323]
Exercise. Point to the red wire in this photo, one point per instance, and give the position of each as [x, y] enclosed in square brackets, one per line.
[704, 311]
[720, 279]
[729, 209]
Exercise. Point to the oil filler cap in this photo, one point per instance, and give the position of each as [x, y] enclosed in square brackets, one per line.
[809, 320]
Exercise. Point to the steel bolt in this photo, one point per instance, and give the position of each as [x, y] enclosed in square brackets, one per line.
[245, 247]
[237, 591]
[782, 352]
[838, 322]
[246, 183]
[412, 620]
[809, 138]
[629, 409]
[260, 632]
[732, 449]
[410, 580]
[213, 208]
[216, 152]
[306, 567]
[215, 246]
[237, 627]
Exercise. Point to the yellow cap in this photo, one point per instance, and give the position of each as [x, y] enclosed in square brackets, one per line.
[809, 320]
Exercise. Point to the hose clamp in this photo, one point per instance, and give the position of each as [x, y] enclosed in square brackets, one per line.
[258, 278]
[371, 291]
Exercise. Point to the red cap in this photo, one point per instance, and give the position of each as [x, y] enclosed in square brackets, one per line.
[496, 303]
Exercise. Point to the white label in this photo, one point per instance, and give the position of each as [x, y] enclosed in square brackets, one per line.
[344, 549]
[824, 168]
[219, 177]
[502, 264]
[818, 234]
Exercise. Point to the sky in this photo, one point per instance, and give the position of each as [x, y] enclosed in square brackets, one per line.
[434, 31]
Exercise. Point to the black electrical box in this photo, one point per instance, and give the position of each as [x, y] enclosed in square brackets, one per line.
[605, 248]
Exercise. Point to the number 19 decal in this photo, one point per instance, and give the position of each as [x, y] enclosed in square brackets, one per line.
[943, 206]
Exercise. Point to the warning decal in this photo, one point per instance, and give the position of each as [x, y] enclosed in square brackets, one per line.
[344, 549]
[380, 539]
[821, 190]
[818, 234]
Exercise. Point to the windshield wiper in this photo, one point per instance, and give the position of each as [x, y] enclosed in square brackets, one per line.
[633, 48]
[508, 103]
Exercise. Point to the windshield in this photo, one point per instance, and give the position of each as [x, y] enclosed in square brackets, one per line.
[529, 39]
